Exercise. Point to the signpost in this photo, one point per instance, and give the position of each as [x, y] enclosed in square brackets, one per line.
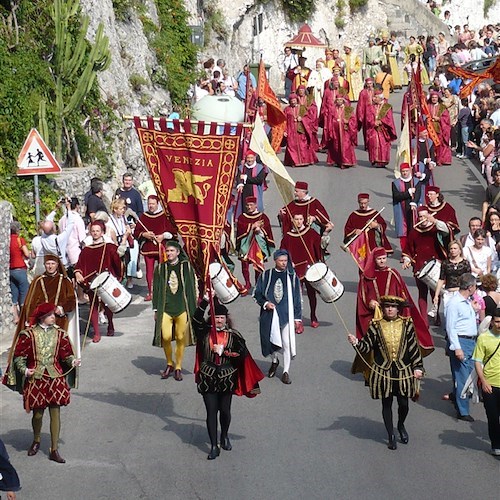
[36, 159]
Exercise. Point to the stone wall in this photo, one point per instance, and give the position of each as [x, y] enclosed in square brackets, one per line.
[6, 325]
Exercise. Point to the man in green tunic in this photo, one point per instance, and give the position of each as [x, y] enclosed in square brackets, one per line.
[175, 295]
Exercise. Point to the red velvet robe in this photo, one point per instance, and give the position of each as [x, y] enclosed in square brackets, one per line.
[422, 246]
[244, 226]
[159, 224]
[340, 135]
[365, 98]
[441, 122]
[379, 137]
[388, 281]
[89, 262]
[304, 247]
[312, 206]
[375, 238]
[446, 213]
[301, 141]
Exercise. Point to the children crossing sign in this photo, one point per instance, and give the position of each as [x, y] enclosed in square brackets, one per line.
[35, 157]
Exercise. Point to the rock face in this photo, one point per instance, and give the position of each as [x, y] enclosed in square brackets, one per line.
[132, 62]
[6, 325]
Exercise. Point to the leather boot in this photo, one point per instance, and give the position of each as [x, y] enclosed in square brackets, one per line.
[214, 453]
[392, 445]
[33, 449]
[55, 457]
[225, 444]
[403, 434]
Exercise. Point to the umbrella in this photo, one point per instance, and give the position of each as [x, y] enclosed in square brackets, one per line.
[305, 38]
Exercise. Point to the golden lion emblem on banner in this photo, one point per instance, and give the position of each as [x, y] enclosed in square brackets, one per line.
[186, 185]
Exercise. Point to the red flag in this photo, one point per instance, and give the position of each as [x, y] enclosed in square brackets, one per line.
[275, 116]
[255, 256]
[359, 250]
[193, 173]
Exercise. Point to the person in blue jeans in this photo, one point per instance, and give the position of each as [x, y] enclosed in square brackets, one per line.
[18, 269]
[461, 330]
[464, 124]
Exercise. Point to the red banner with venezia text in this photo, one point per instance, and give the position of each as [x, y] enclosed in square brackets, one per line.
[192, 166]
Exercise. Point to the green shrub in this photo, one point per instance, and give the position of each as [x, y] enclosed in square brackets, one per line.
[298, 10]
[137, 81]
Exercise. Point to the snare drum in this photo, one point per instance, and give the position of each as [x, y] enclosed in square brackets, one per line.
[222, 283]
[114, 295]
[324, 281]
[430, 273]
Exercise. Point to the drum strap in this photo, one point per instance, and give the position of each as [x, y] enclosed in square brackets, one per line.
[472, 257]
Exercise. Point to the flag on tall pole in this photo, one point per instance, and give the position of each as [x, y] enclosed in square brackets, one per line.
[275, 117]
[260, 144]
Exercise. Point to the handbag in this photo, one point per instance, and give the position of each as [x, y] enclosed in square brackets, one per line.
[471, 387]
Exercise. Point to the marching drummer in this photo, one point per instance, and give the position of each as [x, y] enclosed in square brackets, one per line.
[95, 259]
[314, 213]
[423, 245]
[175, 295]
[304, 246]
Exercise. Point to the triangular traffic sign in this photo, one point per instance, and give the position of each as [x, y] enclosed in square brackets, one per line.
[35, 157]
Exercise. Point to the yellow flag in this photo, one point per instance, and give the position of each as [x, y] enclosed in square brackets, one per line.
[403, 152]
[260, 145]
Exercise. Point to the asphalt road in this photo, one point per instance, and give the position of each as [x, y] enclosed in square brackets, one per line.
[127, 434]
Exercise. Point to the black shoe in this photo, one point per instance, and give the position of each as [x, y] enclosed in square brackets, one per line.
[225, 444]
[272, 371]
[392, 445]
[403, 434]
[285, 378]
[465, 418]
[214, 453]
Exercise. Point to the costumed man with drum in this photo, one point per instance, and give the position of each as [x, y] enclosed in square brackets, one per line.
[175, 293]
[224, 367]
[303, 245]
[95, 260]
[311, 208]
[41, 356]
[279, 297]
[254, 240]
[406, 193]
[151, 230]
[374, 231]
[397, 364]
[423, 245]
[377, 280]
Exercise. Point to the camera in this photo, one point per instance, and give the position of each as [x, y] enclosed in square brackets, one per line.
[63, 199]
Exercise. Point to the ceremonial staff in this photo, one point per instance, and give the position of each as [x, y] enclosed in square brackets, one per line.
[345, 246]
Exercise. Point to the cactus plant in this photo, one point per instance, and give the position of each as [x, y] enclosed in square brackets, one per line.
[73, 60]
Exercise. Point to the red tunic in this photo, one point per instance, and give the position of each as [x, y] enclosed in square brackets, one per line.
[158, 223]
[365, 98]
[375, 237]
[304, 248]
[340, 136]
[388, 281]
[379, 137]
[95, 259]
[244, 226]
[446, 213]
[309, 207]
[301, 142]
[422, 246]
[442, 125]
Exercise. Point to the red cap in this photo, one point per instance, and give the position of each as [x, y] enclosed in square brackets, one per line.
[250, 152]
[153, 197]
[428, 189]
[250, 199]
[422, 128]
[363, 196]
[41, 311]
[301, 87]
[301, 185]
[293, 95]
[422, 208]
[378, 91]
[404, 166]
[369, 80]
[99, 223]
[379, 252]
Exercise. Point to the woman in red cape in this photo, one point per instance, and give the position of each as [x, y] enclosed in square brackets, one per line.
[224, 367]
[378, 280]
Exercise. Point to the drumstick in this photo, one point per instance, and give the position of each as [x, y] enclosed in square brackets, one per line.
[134, 216]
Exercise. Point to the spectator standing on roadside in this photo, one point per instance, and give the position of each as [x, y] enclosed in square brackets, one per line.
[18, 269]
